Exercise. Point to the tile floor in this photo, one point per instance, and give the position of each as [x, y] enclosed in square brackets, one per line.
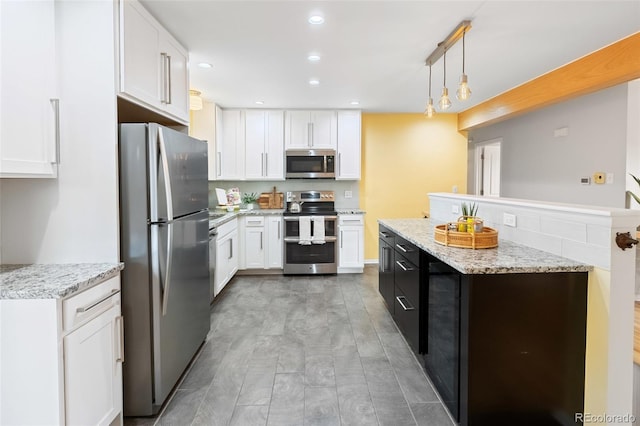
[303, 350]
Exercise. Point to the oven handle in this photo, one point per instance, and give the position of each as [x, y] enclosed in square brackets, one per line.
[297, 218]
[297, 240]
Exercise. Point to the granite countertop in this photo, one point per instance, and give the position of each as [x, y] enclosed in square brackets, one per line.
[218, 217]
[52, 281]
[508, 257]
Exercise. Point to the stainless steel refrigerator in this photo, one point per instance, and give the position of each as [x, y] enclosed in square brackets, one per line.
[164, 246]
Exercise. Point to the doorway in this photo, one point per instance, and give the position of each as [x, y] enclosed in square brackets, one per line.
[487, 166]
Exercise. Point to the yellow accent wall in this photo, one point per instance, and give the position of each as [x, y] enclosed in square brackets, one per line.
[404, 157]
[597, 356]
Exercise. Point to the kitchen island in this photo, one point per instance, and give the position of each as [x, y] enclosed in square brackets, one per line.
[501, 332]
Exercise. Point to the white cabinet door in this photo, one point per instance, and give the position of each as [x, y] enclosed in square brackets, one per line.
[153, 65]
[254, 246]
[140, 61]
[223, 265]
[28, 116]
[230, 146]
[297, 130]
[234, 259]
[323, 130]
[351, 248]
[349, 142]
[255, 135]
[93, 371]
[275, 244]
[176, 58]
[264, 145]
[274, 146]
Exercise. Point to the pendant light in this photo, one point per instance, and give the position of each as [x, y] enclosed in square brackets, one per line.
[463, 93]
[195, 101]
[444, 102]
[430, 110]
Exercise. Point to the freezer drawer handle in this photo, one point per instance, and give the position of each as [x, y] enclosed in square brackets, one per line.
[97, 302]
[404, 268]
[400, 299]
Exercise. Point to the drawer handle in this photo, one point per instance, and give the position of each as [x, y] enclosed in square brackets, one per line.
[384, 234]
[97, 302]
[400, 299]
[120, 333]
[401, 247]
[404, 268]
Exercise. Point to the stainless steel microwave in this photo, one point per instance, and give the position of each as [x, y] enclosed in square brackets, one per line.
[311, 164]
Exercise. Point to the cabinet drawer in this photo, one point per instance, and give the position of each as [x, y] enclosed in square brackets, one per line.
[408, 250]
[254, 220]
[351, 219]
[386, 235]
[90, 303]
[407, 277]
[407, 317]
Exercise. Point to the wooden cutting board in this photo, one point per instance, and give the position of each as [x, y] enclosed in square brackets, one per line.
[271, 200]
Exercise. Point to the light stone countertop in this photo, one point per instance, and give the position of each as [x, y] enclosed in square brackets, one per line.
[218, 216]
[53, 281]
[347, 211]
[507, 258]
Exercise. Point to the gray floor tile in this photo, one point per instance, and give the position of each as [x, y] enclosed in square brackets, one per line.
[294, 350]
[249, 415]
[321, 406]
[431, 414]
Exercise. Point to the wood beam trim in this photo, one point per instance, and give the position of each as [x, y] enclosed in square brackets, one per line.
[614, 64]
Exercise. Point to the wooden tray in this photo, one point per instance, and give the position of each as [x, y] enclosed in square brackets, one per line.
[488, 238]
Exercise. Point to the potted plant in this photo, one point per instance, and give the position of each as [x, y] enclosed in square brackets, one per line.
[469, 212]
[249, 199]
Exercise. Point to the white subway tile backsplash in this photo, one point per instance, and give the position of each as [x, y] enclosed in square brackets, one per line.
[543, 242]
[593, 255]
[565, 229]
[598, 235]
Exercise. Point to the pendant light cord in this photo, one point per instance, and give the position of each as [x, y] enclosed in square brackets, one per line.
[463, 34]
[445, 68]
[429, 81]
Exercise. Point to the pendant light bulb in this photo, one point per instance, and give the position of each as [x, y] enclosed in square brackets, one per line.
[444, 102]
[463, 93]
[430, 110]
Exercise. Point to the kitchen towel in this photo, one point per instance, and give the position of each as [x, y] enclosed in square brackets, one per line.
[318, 230]
[304, 223]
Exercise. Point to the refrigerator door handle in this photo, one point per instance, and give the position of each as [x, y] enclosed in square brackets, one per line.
[165, 170]
[167, 274]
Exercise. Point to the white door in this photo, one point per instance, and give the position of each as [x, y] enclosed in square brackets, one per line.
[275, 242]
[93, 371]
[350, 254]
[488, 169]
[254, 161]
[274, 146]
[231, 146]
[348, 145]
[176, 100]
[297, 128]
[254, 240]
[324, 134]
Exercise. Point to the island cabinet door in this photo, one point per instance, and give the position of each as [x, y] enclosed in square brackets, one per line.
[442, 358]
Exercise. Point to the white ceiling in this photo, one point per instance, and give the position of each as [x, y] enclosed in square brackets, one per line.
[374, 51]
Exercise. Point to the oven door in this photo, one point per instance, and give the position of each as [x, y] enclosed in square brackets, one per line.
[310, 259]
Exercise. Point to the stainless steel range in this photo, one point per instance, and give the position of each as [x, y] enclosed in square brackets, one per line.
[310, 233]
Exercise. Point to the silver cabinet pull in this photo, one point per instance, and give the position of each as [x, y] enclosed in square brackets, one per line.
[401, 247]
[95, 303]
[266, 164]
[404, 268]
[341, 239]
[400, 299]
[56, 115]
[230, 248]
[262, 164]
[163, 77]
[219, 163]
[339, 163]
[311, 134]
[119, 324]
[278, 230]
[169, 97]
[384, 234]
[261, 240]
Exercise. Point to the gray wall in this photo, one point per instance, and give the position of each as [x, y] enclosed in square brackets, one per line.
[538, 166]
[339, 186]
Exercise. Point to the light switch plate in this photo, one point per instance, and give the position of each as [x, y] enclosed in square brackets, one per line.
[348, 194]
[509, 219]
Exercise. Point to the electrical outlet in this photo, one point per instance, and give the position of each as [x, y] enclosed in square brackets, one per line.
[455, 208]
[598, 177]
[509, 219]
[348, 194]
[585, 180]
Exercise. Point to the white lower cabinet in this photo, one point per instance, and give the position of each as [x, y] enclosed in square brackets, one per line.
[351, 243]
[262, 242]
[61, 360]
[226, 254]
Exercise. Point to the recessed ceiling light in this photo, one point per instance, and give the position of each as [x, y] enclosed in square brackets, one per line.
[314, 82]
[259, 102]
[313, 57]
[355, 102]
[205, 65]
[316, 20]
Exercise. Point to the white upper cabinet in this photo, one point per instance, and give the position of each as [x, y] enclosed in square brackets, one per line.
[230, 150]
[264, 145]
[310, 130]
[153, 65]
[29, 124]
[349, 142]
